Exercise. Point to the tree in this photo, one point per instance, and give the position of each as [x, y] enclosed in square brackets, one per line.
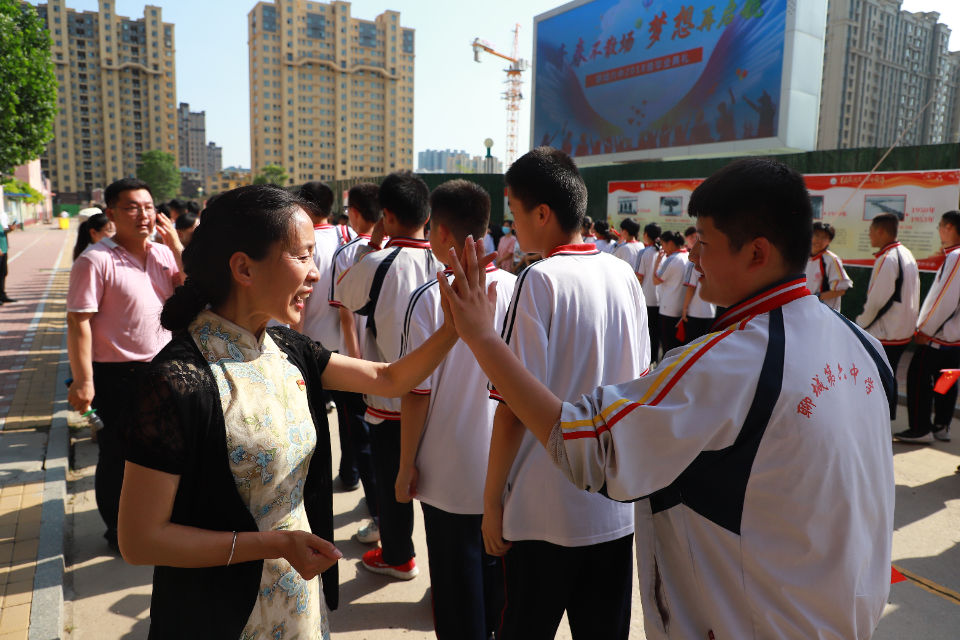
[28, 100]
[159, 170]
[272, 174]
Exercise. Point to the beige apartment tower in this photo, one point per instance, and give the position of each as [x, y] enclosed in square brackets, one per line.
[116, 95]
[883, 69]
[331, 96]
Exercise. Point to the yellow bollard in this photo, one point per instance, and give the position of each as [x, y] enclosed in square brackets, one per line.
[64, 221]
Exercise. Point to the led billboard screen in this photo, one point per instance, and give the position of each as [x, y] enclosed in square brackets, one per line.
[630, 79]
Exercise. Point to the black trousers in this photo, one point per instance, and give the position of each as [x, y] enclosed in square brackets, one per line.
[356, 460]
[894, 351]
[668, 333]
[922, 374]
[696, 327]
[466, 584]
[653, 328]
[593, 584]
[3, 273]
[114, 384]
[396, 519]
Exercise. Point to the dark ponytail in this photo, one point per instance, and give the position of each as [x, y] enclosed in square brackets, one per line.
[96, 222]
[249, 220]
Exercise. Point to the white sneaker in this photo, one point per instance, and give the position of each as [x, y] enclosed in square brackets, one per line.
[942, 433]
[369, 533]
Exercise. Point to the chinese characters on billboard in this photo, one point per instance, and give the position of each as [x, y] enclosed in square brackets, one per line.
[919, 198]
[620, 76]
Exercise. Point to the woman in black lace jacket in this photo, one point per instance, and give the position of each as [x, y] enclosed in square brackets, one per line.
[227, 488]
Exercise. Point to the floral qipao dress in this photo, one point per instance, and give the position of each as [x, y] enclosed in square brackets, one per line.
[270, 439]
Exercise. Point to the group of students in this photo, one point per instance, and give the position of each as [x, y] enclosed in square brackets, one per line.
[514, 540]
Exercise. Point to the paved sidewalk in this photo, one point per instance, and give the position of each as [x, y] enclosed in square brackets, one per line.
[48, 513]
[33, 445]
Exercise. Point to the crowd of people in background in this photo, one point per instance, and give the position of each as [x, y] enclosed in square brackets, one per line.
[213, 343]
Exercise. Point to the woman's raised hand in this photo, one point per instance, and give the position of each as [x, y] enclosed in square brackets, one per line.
[469, 302]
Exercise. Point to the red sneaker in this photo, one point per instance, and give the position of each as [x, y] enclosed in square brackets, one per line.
[373, 561]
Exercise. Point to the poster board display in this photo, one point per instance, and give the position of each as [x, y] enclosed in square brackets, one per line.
[917, 197]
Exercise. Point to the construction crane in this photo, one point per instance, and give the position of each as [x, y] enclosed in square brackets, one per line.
[513, 94]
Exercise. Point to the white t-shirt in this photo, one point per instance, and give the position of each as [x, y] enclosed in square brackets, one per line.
[607, 246]
[827, 267]
[628, 252]
[455, 446]
[698, 308]
[765, 450]
[343, 259]
[672, 270]
[321, 322]
[939, 315]
[577, 319]
[410, 263]
[644, 267]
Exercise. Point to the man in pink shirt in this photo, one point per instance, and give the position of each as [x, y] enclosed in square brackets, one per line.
[117, 290]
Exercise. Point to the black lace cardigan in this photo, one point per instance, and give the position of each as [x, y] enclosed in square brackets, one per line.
[180, 429]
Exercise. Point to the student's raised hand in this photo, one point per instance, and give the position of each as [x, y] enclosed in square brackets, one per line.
[310, 555]
[491, 527]
[469, 302]
[406, 485]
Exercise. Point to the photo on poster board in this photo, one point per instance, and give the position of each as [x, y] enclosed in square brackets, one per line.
[874, 205]
[816, 203]
[671, 206]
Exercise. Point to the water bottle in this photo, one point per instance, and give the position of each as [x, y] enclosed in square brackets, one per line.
[94, 422]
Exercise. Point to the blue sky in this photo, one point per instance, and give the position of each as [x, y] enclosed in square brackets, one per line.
[458, 101]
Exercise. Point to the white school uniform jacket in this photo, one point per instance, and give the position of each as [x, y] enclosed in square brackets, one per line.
[698, 308]
[404, 264]
[577, 319]
[455, 445]
[893, 296]
[672, 270]
[320, 321]
[825, 272]
[343, 259]
[646, 259]
[628, 252]
[940, 313]
[765, 451]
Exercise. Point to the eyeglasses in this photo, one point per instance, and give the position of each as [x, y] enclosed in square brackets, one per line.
[132, 209]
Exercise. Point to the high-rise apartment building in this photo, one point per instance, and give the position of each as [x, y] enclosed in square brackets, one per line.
[214, 159]
[883, 69]
[192, 139]
[448, 161]
[331, 96]
[116, 94]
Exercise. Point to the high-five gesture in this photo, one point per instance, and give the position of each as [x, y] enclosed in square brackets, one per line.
[470, 301]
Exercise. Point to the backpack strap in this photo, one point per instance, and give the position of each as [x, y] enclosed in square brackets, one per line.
[379, 276]
[896, 297]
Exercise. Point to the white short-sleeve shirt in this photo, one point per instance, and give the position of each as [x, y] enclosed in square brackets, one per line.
[698, 307]
[646, 259]
[455, 445]
[672, 270]
[321, 322]
[577, 318]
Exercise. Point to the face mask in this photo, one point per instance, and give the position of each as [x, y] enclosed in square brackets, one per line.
[506, 230]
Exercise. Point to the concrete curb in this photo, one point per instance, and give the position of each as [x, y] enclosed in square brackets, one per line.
[46, 612]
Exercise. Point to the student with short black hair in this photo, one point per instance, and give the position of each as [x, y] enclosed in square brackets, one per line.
[938, 340]
[768, 469]
[379, 286]
[645, 268]
[668, 274]
[826, 277]
[565, 550]
[893, 295]
[363, 212]
[630, 248]
[319, 320]
[446, 424]
[606, 237]
[587, 230]
[185, 225]
[690, 237]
